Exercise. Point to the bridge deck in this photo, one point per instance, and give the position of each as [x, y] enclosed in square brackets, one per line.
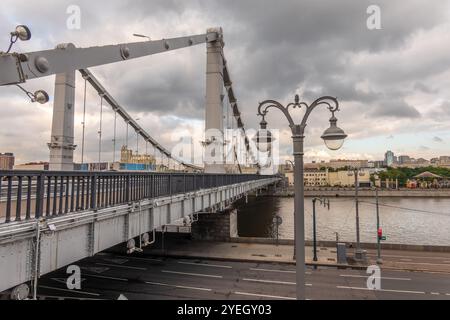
[77, 214]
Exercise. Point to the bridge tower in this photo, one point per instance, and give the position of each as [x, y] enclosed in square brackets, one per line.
[214, 136]
[62, 144]
[62, 137]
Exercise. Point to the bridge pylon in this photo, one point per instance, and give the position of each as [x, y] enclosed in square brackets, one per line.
[214, 135]
[62, 137]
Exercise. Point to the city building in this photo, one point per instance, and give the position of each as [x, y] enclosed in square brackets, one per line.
[315, 178]
[408, 162]
[337, 164]
[6, 161]
[328, 178]
[343, 163]
[32, 166]
[434, 161]
[127, 156]
[389, 158]
[344, 178]
[377, 164]
[444, 161]
[404, 159]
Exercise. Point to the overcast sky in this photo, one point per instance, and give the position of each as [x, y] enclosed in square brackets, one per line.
[393, 84]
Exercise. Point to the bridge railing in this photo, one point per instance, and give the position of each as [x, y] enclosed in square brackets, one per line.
[26, 195]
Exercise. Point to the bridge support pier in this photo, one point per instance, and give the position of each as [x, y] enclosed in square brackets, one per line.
[215, 226]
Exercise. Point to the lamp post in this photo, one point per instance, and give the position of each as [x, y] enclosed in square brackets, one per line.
[333, 137]
[291, 163]
[293, 168]
[359, 253]
[379, 259]
[325, 203]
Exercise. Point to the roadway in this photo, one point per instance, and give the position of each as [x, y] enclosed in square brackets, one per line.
[109, 275]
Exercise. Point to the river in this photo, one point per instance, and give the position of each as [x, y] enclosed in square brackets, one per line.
[424, 221]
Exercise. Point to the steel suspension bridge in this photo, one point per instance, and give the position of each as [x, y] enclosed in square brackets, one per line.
[49, 219]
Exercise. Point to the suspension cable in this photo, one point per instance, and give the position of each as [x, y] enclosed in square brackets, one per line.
[100, 132]
[126, 138]
[137, 143]
[114, 140]
[84, 122]
[129, 121]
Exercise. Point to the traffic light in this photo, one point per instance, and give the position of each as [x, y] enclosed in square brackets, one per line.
[380, 233]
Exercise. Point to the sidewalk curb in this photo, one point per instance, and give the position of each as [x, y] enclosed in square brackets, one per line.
[181, 256]
[330, 265]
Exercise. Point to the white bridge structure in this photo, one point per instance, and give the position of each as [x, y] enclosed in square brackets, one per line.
[50, 219]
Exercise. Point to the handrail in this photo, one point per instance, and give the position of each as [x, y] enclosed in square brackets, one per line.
[27, 195]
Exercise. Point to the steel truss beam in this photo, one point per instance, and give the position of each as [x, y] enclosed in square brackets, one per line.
[20, 67]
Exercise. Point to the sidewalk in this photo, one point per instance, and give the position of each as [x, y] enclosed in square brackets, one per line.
[252, 252]
[249, 252]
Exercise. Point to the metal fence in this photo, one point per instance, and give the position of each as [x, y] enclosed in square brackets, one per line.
[26, 195]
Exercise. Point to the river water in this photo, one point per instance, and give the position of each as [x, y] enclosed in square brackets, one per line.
[424, 221]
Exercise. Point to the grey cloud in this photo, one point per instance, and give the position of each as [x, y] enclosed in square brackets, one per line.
[395, 109]
[274, 49]
[174, 94]
[419, 86]
[437, 139]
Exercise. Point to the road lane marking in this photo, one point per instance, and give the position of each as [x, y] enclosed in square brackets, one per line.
[382, 278]
[435, 293]
[72, 291]
[271, 270]
[176, 286]
[263, 295]
[274, 282]
[116, 260]
[406, 259]
[132, 257]
[382, 290]
[398, 256]
[44, 297]
[145, 259]
[123, 267]
[105, 277]
[205, 265]
[425, 263]
[193, 274]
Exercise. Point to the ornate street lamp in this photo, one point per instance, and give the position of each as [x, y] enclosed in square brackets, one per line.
[334, 138]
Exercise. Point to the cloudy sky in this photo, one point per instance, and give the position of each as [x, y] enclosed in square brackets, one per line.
[393, 84]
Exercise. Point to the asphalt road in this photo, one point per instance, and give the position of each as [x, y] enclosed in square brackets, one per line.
[108, 276]
[414, 260]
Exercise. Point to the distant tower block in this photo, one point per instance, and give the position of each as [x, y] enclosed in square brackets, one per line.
[214, 144]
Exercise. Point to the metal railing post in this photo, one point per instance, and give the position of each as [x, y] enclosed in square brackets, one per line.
[127, 186]
[93, 190]
[39, 196]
